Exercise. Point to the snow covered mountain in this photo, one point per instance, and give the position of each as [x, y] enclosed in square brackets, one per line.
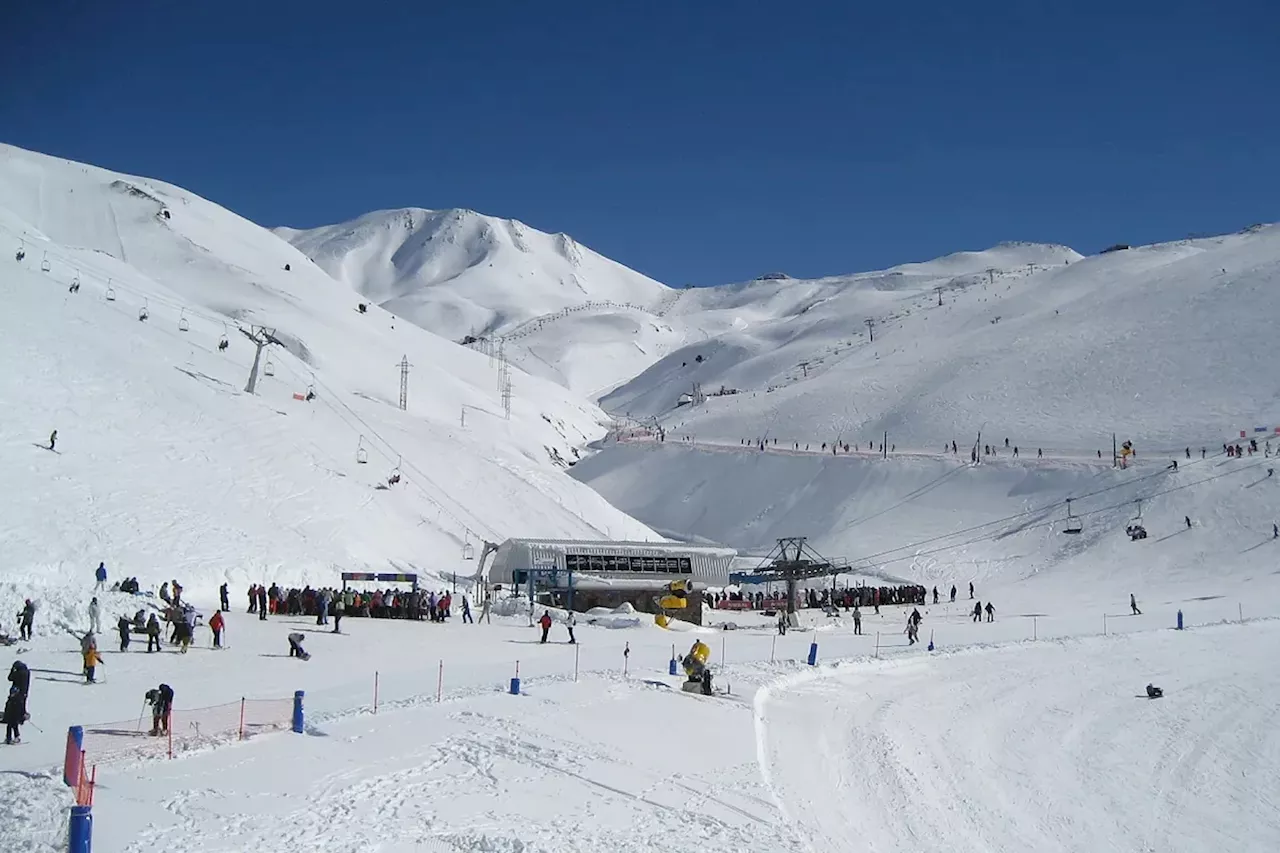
[462, 274]
[165, 468]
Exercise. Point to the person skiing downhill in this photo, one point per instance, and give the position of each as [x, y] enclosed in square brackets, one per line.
[53, 439]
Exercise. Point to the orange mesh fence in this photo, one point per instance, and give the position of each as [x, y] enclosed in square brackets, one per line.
[86, 783]
[188, 729]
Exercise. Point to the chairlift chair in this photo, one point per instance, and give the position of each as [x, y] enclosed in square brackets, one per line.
[269, 369]
[362, 455]
[22, 251]
[1074, 524]
[183, 325]
[468, 550]
[110, 295]
[44, 263]
[394, 476]
[224, 341]
[143, 313]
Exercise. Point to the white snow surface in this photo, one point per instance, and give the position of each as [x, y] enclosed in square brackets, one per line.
[166, 468]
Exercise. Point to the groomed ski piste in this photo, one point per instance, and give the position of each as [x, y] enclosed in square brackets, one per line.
[1032, 731]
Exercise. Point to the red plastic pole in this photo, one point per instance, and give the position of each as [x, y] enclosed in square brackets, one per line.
[93, 783]
[375, 691]
[241, 718]
[440, 683]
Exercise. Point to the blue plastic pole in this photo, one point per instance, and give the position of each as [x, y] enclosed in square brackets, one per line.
[80, 830]
[1179, 620]
[71, 764]
[297, 711]
[813, 654]
[515, 687]
[671, 667]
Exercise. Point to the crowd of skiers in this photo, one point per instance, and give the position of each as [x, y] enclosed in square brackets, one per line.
[327, 602]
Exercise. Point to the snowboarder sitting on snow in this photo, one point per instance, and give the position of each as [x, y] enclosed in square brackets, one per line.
[1154, 692]
[15, 714]
[295, 646]
[161, 702]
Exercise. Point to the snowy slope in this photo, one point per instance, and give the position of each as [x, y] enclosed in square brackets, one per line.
[167, 469]
[460, 273]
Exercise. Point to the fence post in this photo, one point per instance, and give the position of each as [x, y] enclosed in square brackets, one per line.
[71, 764]
[375, 691]
[877, 644]
[774, 648]
[80, 830]
[440, 683]
[241, 718]
[1241, 607]
[813, 653]
[298, 718]
[1179, 620]
[1035, 628]
[577, 651]
[1104, 624]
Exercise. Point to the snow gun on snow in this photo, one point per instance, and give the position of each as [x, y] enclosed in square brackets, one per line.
[697, 673]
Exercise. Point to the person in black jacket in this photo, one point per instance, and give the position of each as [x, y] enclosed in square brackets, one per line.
[15, 714]
[20, 677]
[161, 701]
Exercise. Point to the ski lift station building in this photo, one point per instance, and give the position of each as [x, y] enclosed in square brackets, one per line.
[584, 574]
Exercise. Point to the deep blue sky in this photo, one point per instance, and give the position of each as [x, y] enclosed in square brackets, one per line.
[699, 142]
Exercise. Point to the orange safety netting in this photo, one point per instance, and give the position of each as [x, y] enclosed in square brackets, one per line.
[188, 729]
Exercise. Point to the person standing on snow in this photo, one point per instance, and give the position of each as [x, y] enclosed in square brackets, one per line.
[95, 615]
[545, 622]
[223, 597]
[100, 575]
[216, 624]
[262, 603]
[991, 612]
[153, 634]
[20, 677]
[15, 714]
[971, 590]
[26, 620]
[53, 440]
[123, 626]
[569, 621]
[339, 609]
[935, 595]
[911, 631]
[91, 661]
[977, 612]
[857, 620]
[466, 611]
[953, 593]
[1133, 605]
[486, 609]
[161, 702]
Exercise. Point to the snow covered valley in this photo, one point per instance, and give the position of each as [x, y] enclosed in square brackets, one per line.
[1032, 731]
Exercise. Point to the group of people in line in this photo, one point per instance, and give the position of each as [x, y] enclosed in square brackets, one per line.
[413, 605]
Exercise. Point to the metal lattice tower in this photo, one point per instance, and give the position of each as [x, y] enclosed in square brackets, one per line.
[504, 384]
[404, 383]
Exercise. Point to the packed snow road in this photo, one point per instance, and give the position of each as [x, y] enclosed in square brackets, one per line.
[1044, 746]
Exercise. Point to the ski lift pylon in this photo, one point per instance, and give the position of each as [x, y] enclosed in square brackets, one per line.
[183, 325]
[362, 455]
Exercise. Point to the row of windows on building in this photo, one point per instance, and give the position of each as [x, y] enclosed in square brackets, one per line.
[611, 563]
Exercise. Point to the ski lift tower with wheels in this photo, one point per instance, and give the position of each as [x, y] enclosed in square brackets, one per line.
[261, 337]
[790, 561]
